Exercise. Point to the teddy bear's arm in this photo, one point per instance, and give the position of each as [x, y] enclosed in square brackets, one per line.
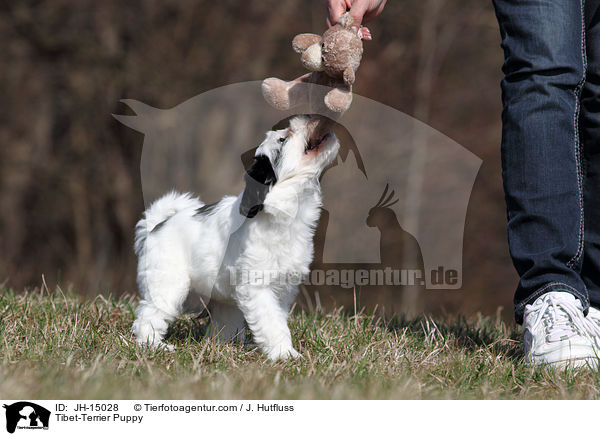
[304, 40]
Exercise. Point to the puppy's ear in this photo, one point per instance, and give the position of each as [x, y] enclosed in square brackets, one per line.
[259, 178]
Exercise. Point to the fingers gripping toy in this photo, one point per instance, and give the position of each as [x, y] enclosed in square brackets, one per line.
[333, 59]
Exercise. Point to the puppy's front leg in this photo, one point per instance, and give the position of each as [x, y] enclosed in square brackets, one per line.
[267, 320]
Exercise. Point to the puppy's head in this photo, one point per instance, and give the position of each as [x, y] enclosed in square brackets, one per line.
[302, 151]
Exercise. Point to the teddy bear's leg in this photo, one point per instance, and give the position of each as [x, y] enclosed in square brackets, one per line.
[338, 99]
[284, 95]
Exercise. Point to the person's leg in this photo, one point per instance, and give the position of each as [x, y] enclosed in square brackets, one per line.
[543, 42]
[590, 137]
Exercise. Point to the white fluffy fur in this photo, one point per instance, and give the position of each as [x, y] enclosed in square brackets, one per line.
[186, 262]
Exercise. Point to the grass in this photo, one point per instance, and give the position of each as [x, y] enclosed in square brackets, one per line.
[60, 346]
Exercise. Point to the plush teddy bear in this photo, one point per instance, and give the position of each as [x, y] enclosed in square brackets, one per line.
[333, 59]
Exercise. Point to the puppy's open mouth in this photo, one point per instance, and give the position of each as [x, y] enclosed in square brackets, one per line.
[314, 144]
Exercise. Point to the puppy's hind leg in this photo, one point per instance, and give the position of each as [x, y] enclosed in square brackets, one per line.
[226, 322]
[165, 293]
[267, 319]
[151, 324]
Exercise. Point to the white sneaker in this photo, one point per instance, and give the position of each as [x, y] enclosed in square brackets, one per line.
[593, 317]
[556, 333]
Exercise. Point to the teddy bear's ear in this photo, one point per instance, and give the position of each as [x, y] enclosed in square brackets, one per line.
[304, 40]
[346, 21]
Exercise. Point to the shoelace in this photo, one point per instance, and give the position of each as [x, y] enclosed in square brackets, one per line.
[562, 317]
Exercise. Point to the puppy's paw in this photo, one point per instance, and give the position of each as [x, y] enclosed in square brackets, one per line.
[284, 354]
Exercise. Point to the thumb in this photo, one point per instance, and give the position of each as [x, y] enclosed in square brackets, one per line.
[335, 9]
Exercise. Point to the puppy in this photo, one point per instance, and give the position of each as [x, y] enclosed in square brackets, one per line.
[242, 256]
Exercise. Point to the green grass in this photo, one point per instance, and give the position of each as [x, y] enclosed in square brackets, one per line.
[57, 346]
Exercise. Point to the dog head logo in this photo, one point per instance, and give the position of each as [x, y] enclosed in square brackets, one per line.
[196, 146]
[26, 415]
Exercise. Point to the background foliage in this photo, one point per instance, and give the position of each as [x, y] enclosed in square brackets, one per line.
[70, 192]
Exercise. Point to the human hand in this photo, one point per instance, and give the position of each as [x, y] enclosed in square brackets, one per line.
[361, 10]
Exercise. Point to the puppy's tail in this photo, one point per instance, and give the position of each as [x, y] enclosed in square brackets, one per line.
[161, 210]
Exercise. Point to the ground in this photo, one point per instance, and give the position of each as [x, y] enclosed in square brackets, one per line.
[57, 345]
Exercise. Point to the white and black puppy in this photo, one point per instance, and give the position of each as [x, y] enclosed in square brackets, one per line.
[237, 254]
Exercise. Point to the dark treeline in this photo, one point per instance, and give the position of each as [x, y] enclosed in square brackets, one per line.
[70, 190]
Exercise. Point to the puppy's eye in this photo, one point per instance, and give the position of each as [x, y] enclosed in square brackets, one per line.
[282, 140]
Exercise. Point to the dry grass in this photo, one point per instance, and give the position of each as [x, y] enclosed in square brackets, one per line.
[63, 347]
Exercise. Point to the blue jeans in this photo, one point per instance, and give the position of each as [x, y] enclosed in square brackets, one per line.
[551, 145]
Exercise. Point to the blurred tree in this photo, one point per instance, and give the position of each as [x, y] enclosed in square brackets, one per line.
[69, 173]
